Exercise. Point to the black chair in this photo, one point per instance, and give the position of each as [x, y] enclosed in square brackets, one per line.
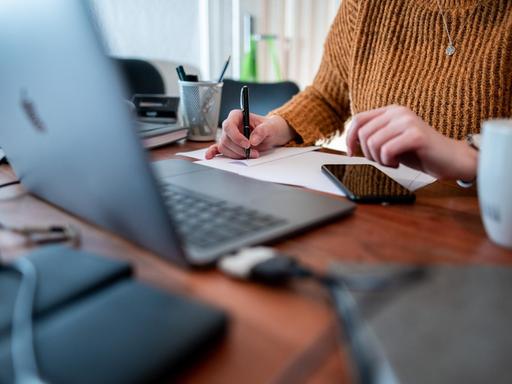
[141, 76]
[264, 97]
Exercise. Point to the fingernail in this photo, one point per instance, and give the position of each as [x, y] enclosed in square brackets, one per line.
[245, 144]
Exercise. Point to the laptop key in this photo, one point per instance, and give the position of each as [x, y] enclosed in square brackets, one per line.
[204, 221]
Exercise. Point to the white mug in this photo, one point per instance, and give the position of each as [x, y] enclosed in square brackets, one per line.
[495, 180]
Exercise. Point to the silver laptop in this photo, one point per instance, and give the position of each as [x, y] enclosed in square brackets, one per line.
[73, 142]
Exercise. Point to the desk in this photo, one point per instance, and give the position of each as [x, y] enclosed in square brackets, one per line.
[287, 335]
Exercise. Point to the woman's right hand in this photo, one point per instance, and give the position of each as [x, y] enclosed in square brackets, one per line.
[266, 132]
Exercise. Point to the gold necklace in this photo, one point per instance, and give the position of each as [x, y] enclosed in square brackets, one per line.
[450, 49]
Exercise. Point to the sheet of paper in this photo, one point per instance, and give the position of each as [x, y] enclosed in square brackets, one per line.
[305, 170]
[265, 157]
[197, 154]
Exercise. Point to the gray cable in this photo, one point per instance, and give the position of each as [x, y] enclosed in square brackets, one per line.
[372, 365]
[22, 341]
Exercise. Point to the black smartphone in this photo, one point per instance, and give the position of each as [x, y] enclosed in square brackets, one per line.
[364, 183]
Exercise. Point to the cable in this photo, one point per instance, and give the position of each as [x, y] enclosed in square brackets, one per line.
[46, 234]
[22, 341]
[25, 369]
[266, 266]
[371, 364]
[10, 183]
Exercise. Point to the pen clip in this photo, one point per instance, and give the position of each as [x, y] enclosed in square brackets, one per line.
[244, 98]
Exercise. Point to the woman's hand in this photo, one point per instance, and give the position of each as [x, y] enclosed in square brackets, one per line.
[266, 132]
[394, 135]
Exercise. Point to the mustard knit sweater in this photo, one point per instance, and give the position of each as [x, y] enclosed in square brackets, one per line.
[382, 52]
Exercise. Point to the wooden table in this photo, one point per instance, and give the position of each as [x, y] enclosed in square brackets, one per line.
[286, 335]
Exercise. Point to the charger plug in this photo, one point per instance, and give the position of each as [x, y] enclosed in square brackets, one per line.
[262, 264]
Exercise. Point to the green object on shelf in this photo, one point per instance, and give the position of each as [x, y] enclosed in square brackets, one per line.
[249, 70]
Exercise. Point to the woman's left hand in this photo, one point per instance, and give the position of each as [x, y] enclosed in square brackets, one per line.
[394, 134]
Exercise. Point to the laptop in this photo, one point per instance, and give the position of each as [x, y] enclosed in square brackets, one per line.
[73, 142]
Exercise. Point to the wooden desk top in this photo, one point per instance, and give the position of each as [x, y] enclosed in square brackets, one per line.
[279, 335]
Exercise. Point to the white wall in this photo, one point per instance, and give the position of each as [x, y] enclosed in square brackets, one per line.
[152, 29]
[202, 33]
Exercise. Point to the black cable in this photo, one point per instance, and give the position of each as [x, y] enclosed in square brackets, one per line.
[348, 317]
[268, 267]
[10, 183]
[370, 363]
[379, 282]
[280, 269]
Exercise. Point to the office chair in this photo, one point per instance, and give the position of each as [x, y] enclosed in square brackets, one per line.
[264, 97]
[141, 76]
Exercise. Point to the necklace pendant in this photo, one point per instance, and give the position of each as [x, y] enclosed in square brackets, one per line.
[450, 50]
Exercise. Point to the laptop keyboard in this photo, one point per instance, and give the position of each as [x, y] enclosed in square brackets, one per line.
[204, 221]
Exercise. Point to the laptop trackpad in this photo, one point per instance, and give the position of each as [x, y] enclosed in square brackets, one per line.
[223, 185]
[173, 167]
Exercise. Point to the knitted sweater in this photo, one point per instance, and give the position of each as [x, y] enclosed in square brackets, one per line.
[387, 52]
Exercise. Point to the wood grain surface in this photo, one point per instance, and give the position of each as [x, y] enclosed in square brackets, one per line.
[284, 335]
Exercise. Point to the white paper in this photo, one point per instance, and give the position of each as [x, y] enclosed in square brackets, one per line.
[197, 154]
[305, 170]
[265, 157]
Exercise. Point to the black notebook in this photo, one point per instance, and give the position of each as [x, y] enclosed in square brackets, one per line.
[94, 324]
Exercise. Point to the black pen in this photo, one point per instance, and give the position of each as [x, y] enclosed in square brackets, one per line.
[181, 73]
[244, 104]
[221, 77]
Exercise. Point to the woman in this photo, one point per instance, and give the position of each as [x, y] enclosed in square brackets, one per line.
[416, 75]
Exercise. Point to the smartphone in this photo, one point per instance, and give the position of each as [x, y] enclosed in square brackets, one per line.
[364, 183]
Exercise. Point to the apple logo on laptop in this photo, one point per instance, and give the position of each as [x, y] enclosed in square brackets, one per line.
[30, 110]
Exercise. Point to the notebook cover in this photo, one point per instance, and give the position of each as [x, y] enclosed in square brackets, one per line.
[63, 275]
[127, 333]
[452, 327]
[166, 138]
[160, 129]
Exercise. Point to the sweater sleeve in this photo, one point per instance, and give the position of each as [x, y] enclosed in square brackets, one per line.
[322, 108]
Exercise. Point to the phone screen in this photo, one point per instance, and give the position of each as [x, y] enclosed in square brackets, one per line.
[365, 183]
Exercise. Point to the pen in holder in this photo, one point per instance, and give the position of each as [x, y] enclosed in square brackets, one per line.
[199, 108]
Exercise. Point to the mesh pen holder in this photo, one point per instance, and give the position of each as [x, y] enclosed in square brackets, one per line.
[199, 108]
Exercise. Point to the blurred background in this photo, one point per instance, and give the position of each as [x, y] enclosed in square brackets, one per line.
[268, 40]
